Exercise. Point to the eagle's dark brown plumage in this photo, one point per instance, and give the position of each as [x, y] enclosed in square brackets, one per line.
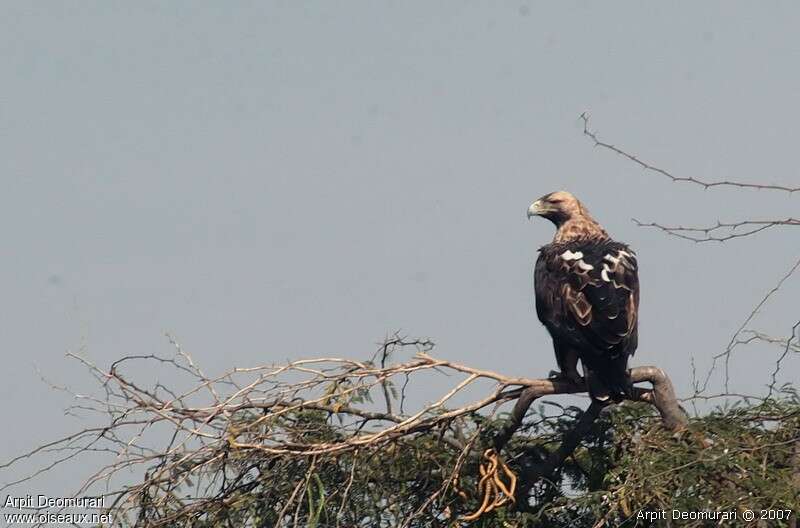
[587, 295]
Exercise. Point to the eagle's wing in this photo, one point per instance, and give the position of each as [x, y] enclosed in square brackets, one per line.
[589, 294]
[613, 294]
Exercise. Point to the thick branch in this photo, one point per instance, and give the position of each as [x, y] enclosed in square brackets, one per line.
[662, 396]
[547, 468]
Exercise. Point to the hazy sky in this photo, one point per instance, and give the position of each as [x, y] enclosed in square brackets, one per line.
[272, 180]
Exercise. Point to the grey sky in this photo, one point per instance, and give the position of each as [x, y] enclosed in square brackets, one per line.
[276, 180]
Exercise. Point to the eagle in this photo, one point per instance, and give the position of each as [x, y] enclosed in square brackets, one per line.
[587, 296]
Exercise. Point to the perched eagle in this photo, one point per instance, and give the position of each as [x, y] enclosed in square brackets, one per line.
[587, 295]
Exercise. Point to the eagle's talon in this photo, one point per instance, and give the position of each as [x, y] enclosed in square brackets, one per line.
[570, 377]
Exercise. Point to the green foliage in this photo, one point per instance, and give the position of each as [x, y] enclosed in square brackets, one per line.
[735, 458]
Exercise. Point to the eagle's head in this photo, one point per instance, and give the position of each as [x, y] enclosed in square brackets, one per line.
[558, 207]
[570, 216]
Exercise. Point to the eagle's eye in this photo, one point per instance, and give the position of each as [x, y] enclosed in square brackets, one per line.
[555, 200]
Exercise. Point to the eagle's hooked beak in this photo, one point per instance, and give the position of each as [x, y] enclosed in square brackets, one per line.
[535, 209]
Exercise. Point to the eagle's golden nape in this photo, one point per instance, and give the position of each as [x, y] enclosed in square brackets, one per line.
[587, 296]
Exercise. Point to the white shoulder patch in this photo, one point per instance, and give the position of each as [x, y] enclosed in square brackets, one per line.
[584, 266]
[569, 255]
[621, 255]
[604, 273]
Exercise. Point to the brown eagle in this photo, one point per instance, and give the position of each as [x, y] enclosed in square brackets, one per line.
[587, 295]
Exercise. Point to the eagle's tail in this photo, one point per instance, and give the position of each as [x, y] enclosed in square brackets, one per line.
[610, 380]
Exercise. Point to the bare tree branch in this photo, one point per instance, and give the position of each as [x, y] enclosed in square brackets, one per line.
[284, 413]
[729, 230]
[680, 179]
[734, 340]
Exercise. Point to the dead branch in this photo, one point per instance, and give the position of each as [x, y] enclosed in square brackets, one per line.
[662, 396]
[728, 230]
[735, 341]
[679, 179]
[285, 413]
